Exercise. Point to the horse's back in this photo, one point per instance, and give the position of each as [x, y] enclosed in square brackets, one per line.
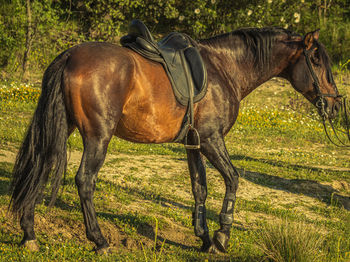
[108, 87]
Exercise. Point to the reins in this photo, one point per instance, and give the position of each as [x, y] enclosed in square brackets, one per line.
[320, 104]
[342, 144]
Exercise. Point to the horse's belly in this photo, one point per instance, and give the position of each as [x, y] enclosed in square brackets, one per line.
[148, 128]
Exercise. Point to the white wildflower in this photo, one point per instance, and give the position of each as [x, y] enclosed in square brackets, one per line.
[249, 12]
[197, 11]
[282, 19]
[269, 1]
[297, 17]
[213, 1]
[285, 26]
[181, 17]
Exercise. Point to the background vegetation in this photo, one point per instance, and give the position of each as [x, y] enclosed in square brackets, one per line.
[30, 40]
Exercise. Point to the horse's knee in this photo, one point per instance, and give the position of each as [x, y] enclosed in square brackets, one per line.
[80, 179]
[232, 180]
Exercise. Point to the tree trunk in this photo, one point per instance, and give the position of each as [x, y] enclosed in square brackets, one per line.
[29, 38]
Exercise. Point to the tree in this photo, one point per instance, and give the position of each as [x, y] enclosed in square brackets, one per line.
[29, 39]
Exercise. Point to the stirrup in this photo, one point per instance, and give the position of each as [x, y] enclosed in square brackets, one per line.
[196, 138]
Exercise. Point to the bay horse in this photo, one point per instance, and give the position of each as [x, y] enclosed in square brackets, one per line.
[103, 90]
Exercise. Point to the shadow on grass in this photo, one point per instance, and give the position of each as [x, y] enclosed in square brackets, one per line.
[145, 229]
[280, 163]
[142, 226]
[121, 192]
[307, 187]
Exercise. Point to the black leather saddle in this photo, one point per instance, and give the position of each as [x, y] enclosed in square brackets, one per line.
[178, 55]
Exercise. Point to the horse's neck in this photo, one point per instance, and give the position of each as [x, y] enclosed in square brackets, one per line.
[239, 69]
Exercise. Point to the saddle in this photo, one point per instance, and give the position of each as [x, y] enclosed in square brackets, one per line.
[182, 62]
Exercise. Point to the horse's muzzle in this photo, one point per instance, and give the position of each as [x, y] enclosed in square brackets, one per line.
[327, 110]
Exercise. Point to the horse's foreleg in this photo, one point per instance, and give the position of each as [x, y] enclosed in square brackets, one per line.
[215, 150]
[92, 160]
[199, 190]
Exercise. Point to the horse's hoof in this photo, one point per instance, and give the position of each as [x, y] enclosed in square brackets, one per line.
[31, 245]
[206, 243]
[220, 240]
[213, 250]
[103, 251]
[209, 247]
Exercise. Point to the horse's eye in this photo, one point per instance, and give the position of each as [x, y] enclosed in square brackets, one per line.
[315, 58]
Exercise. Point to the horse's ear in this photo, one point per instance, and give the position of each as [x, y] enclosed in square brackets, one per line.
[310, 38]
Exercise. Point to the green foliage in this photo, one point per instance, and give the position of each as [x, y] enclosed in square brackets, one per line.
[51, 34]
[106, 20]
[12, 32]
[198, 18]
[57, 25]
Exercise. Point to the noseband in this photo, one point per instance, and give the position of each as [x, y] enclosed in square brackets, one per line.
[320, 102]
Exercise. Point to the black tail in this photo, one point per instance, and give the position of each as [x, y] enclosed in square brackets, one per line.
[44, 149]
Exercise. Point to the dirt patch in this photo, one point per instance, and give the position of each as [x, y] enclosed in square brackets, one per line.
[7, 156]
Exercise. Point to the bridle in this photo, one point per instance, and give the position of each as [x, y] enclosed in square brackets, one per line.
[320, 102]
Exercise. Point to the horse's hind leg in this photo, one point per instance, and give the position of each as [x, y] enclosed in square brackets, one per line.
[94, 154]
[215, 150]
[27, 225]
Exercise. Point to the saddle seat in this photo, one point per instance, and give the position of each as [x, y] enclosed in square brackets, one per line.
[179, 56]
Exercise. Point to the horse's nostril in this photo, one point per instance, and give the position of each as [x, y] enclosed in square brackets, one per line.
[336, 107]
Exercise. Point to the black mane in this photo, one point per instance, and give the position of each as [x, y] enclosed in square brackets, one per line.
[259, 41]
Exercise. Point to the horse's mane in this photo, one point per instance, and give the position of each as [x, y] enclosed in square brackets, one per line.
[258, 40]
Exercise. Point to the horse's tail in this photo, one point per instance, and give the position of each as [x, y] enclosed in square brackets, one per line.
[44, 149]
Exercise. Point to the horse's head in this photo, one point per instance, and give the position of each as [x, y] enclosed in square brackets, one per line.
[310, 74]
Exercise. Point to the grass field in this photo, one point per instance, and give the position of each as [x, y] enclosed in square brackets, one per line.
[291, 175]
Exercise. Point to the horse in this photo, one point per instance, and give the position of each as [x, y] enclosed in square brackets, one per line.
[103, 89]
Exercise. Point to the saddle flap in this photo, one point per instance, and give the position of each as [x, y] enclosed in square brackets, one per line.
[197, 69]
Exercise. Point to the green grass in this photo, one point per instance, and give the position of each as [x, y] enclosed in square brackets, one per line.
[283, 241]
[289, 172]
